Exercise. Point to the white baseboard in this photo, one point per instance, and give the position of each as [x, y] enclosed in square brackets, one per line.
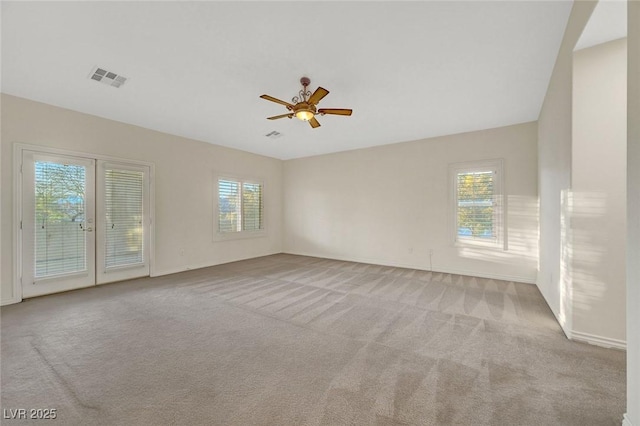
[187, 268]
[605, 342]
[626, 421]
[156, 273]
[10, 301]
[372, 261]
[502, 277]
[172, 271]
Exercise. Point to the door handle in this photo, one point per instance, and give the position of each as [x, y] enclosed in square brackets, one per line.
[87, 229]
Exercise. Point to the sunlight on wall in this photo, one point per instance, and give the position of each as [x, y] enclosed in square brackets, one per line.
[522, 235]
[565, 315]
[593, 244]
[598, 183]
[392, 205]
[589, 250]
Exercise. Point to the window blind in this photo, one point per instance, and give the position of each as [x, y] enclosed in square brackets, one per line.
[475, 204]
[228, 206]
[124, 216]
[59, 219]
[240, 206]
[251, 207]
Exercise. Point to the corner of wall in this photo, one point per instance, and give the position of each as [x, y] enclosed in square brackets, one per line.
[626, 421]
[632, 417]
[10, 301]
[554, 166]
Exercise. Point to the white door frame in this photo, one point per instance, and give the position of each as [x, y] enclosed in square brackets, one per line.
[66, 280]
[18, 149]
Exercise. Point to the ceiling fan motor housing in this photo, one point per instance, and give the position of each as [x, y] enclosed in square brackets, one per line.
[301, 107]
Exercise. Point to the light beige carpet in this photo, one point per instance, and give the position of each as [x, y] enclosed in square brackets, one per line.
[293, 340]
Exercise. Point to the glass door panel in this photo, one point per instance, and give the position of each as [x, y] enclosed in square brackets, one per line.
[58, 215]
[123, 225]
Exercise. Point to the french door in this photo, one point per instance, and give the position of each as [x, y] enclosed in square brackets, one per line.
[84, 222]
[122, 250]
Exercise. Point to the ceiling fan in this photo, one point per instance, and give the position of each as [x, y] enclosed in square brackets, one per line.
[303, 106]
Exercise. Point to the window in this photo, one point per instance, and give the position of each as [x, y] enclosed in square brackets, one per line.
[478, 206]
[240, 207]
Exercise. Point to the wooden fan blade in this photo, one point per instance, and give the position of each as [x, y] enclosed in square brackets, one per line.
[278, 101]
[335, 111]
[314, 123]
[318, 95]
[275, 117]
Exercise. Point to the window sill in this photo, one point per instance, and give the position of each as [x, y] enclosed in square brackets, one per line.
[488, 245]
[243, 235]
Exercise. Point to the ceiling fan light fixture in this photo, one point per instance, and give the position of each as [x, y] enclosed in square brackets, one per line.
[304, 115]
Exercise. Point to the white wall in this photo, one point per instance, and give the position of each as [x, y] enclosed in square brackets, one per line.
[390, 205]
[184, 182]
[633, 212]
[598, 192]
[554, 170]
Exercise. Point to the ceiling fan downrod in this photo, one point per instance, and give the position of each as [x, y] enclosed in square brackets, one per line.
[303, 93]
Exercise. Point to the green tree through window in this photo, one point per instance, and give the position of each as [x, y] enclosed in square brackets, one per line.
[251, 206]
[476, 204]
[59, 192]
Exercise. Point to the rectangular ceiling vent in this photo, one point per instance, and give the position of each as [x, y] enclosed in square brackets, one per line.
[107, 77]
[273, 134]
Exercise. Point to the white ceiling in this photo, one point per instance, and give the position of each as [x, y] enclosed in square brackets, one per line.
[409, 70]
[607, 22]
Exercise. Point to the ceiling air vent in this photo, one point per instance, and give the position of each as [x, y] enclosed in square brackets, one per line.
[107, 77]
[273, 134]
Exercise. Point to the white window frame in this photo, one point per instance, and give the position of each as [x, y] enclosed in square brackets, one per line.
[235, 235]
[500, 211]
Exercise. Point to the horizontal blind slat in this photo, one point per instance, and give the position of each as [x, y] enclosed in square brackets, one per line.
[60, 242]
[228, 205]
[475, 204]
[251, 206]
[124, 242]
[240, 206]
